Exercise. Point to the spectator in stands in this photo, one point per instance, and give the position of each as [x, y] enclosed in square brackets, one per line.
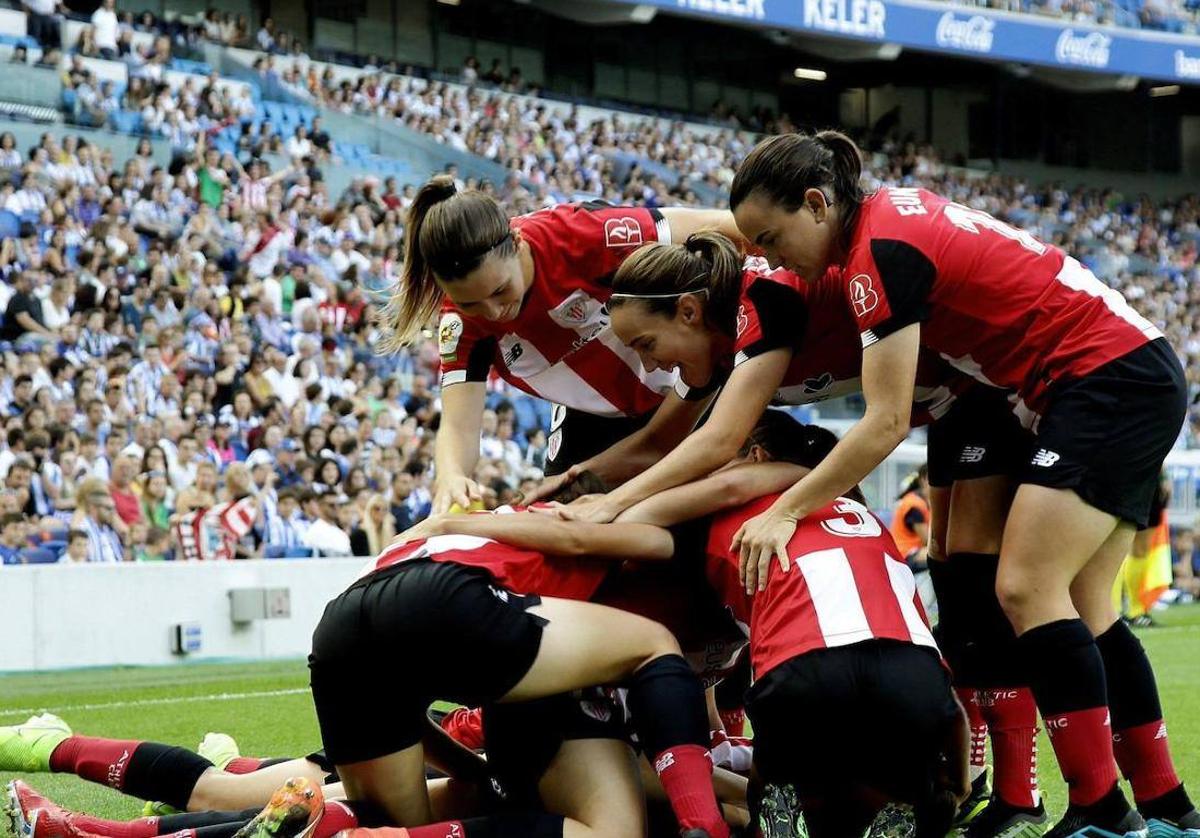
[12, 538]
[77, 548]
[23, 322]
[325, 534]
[156, 547]
[286, 527]
[104, 27]
[42, 23]
[125, 500]
[96, 515]
[375, 530]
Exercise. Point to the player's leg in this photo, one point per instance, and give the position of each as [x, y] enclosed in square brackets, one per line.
[583, 644]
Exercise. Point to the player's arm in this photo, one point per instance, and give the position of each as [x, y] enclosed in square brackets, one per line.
[683, 222]
[550, 535]
[457, 447]
[671, 422]
[745, 395]
[726, 488]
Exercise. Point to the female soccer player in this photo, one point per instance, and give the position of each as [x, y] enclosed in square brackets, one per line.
[526, 297]
[1089, 375]
[495, 646]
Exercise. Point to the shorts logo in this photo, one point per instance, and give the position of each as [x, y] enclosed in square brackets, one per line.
[554, 445]
[622, 232]
[863, 297]
[742, 320]
[972, 454]
[450, 330]
[1045, 458]
[455, 830]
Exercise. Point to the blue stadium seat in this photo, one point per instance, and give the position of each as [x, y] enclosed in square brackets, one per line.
[291, 114]
[56, 546]
[273, 111]
[273, 551]
[69, 99]
[10, 225]
[38, 555]
[527, 418]
[297, 553]
[127, 122]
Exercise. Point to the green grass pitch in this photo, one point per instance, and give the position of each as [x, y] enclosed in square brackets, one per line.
[267, 708]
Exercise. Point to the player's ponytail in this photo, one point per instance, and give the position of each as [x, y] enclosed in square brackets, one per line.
[657, 275]
[783, 168]
[448, 234]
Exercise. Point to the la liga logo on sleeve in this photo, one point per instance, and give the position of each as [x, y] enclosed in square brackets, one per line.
[450, 330]
[863, 295]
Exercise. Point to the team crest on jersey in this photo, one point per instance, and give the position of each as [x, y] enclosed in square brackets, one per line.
[553, 445]
[743, 320]
[579, 311]
[622, 232]
[450, 329]
[863, 296]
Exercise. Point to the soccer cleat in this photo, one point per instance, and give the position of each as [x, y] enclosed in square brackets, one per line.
[218, 748]
[156, 809]
[981, 793]
[55, 823]
[779, 813]
[1109, 817]
[293, 812]
[1003, 820]
[20, 802]
[1186, 827]
[27, 747]
[895, 820]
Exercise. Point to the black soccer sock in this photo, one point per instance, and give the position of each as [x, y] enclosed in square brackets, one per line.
[169, 824]
[163, 772]
[988, 656]
[666, 702]
[1138, 730]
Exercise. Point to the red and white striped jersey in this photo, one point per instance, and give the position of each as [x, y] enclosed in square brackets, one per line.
[560, 347]
[995, 302]
[846, 585]
[779, 310]
[223, 526]
[513, 568]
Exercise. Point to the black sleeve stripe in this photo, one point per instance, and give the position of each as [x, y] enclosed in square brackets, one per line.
[907, 276]
[782, 317]
[479, 362]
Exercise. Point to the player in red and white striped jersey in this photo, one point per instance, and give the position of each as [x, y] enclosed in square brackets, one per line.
[1088, 374]
[511, 627]
[526, 297]
[701, 308]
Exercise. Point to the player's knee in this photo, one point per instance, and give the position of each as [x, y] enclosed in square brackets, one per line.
[659, 641]
[1017, 596]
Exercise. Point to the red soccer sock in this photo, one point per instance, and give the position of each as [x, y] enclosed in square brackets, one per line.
[336, 817]
[1011, 716]
[685, 772]
[99, 760]
[1145, 759]
[138, 828]
[1082, 741]
[969, 698]
[734, 721]
[244, 765]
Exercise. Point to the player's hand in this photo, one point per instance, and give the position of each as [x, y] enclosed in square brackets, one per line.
[551, 486]
[428, 528]
[760, 539]
[457, 489]
[593, 509]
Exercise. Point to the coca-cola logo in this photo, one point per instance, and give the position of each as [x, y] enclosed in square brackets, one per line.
[974, 34]
[1088, 50]
[1186, 66]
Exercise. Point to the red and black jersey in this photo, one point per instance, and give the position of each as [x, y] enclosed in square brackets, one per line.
[560, 346]
[779, 310]
[514, 568]
[995, 302]
[847, 584]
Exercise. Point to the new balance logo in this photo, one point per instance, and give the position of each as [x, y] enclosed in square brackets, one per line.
[665, 761]
[1045, 458]
[972, 454]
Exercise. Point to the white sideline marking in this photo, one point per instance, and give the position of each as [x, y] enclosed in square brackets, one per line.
[145, 702]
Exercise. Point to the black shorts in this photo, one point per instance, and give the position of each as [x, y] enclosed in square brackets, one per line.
[523, 737]
[1106, 435]
[872, 714]
[979, 436]
[405, 636]
[576, 436]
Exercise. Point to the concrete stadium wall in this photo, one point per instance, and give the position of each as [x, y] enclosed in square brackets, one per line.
[53, 617]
